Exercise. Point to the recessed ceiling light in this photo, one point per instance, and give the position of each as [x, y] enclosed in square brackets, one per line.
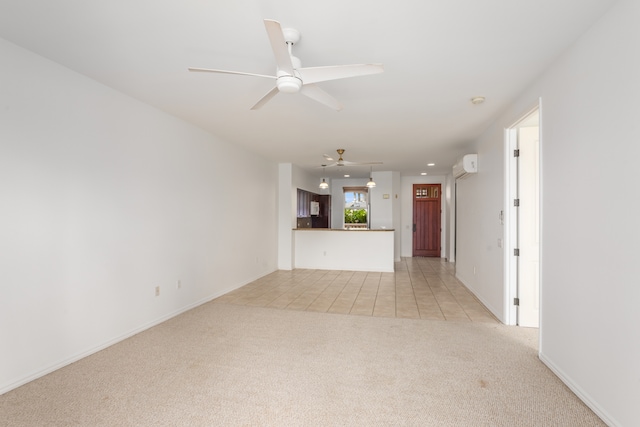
[431, 164]
[423, 173]
[477, 100]
[347, 175]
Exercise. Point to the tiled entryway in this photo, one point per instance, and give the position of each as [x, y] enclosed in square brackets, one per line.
[420, 288]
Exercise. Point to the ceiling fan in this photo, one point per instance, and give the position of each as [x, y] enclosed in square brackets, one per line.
[342, 162]
[291, 77]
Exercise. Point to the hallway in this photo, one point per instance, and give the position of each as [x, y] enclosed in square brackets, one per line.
[420, 288]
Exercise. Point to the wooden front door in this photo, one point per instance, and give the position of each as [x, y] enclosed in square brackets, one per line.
[426, 220]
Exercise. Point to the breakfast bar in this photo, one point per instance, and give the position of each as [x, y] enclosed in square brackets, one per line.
[338, 249]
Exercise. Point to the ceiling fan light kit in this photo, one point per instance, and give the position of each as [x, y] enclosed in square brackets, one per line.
[289, 84]
[291, 77]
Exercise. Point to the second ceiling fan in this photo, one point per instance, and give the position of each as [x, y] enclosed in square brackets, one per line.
[343, 162]
[291, 77]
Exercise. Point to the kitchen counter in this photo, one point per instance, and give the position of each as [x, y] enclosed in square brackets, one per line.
[343, 229]
[339, 249]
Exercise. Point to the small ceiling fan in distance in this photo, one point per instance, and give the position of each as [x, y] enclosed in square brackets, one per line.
[342, 162]
[290, 77]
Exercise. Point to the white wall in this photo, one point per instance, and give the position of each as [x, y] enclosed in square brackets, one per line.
[450, 214]
[104, 198]
[287, 202]
[397, 214]
[306, 181]
[290, 178]
[381, 208]
[479, 200]
[590, 230]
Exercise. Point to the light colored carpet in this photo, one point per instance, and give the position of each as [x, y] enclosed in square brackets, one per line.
[223, 364]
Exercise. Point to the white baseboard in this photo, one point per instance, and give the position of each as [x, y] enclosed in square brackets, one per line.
[482, 300]
[61, 364]
[578, 391]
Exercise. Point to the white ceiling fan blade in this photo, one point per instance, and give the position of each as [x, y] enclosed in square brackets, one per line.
[211, 70]
[347, 163]
[334, 72]
[279, 46]
[273, 92]
[317, 94]
[328, 157]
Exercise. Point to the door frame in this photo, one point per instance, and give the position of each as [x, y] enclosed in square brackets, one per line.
[439, 216]
[406, 211]
[510, 217]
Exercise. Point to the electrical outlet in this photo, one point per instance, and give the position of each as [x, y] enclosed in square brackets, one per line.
[179, 284]
[157, 291]
[474, 270]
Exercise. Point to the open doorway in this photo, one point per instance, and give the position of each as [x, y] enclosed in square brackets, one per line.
[523, 220]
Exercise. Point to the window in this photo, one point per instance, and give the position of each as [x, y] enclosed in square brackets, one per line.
[356, 207]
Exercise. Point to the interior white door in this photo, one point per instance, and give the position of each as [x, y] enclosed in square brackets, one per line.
[529, 226]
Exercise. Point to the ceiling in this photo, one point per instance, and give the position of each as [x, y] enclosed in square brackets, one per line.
[437, 55]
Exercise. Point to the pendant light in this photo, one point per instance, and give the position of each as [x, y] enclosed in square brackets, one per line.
[371, 184]
[323, 185]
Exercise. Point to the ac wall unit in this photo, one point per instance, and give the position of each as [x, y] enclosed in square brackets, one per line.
[466, 165]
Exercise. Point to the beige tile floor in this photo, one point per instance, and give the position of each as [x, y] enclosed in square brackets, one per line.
[420, 288]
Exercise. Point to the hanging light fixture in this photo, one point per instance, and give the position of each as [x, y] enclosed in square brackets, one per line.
[371, 184]
[323, 185]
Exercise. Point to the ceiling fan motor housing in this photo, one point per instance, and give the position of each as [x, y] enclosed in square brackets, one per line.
[291, 35]
[286, 82]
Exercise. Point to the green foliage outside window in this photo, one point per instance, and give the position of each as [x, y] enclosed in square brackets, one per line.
[355, 216]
